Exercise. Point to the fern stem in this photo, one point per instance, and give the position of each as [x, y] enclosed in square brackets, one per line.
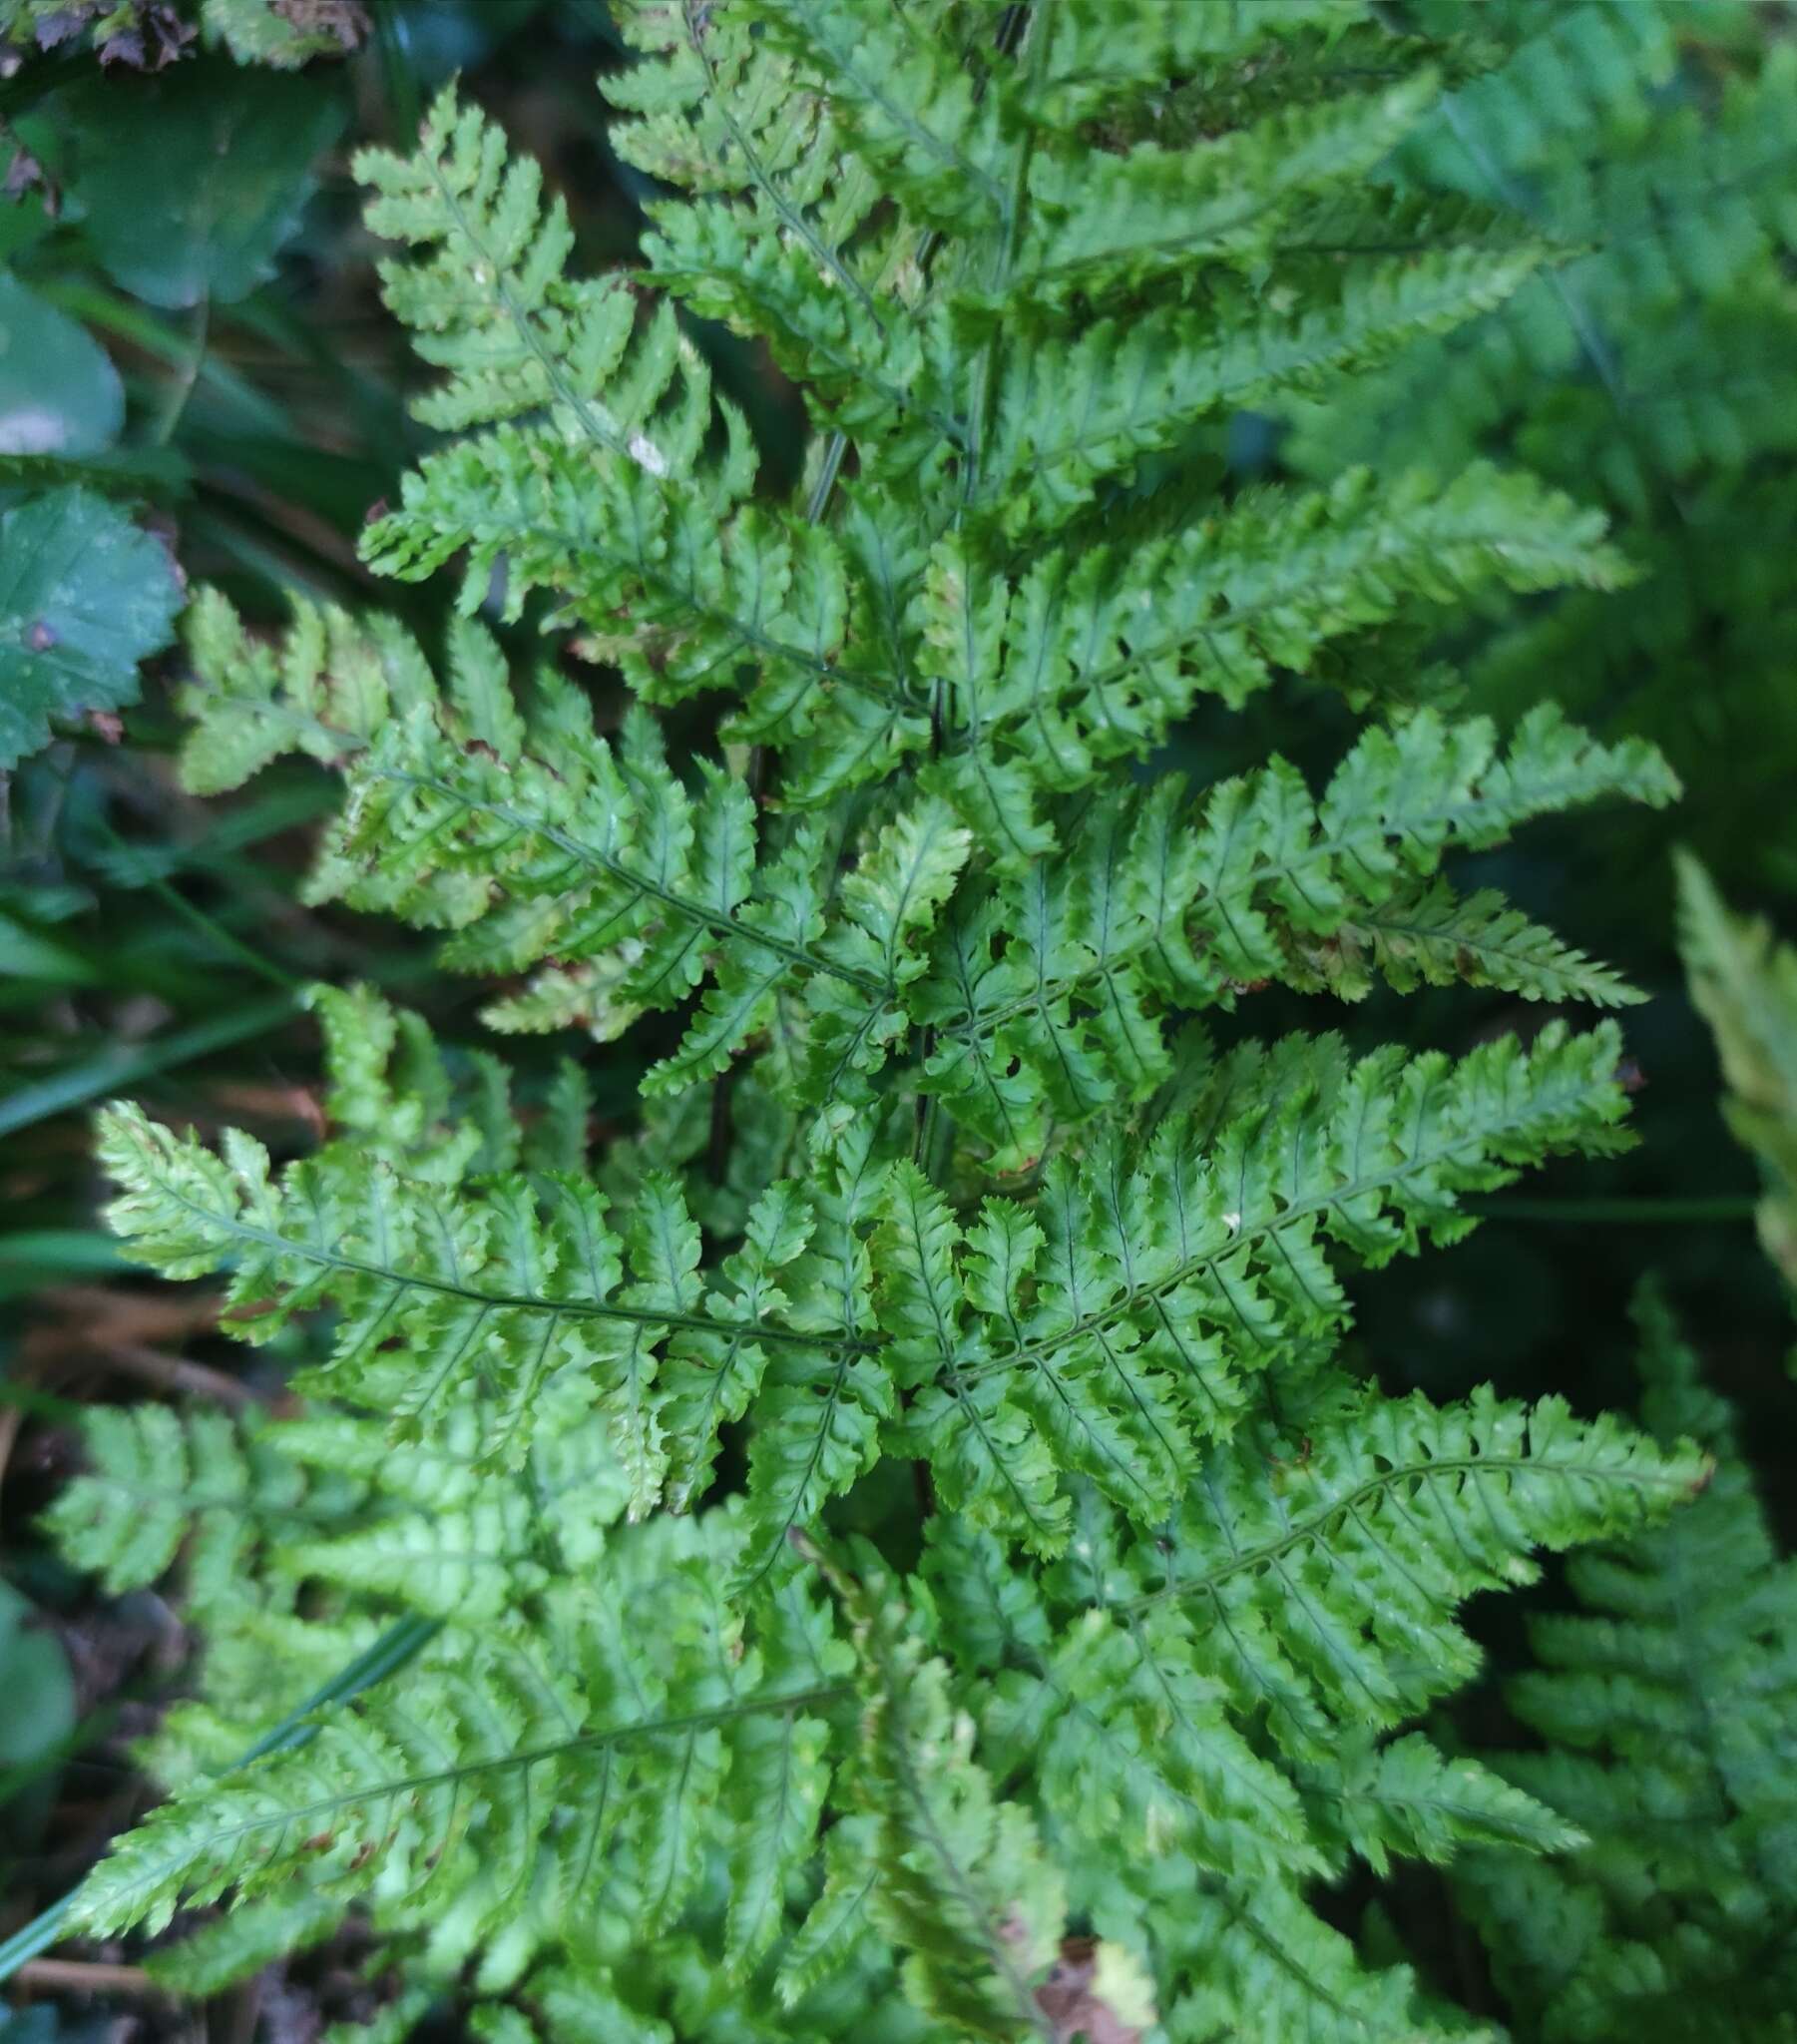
[828, 470]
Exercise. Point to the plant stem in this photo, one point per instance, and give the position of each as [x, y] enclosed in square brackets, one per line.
[176, 402]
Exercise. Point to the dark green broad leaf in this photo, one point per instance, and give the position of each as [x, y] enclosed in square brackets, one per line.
[37, 1684]
[84, 597]
[192, 180]
[59, 391]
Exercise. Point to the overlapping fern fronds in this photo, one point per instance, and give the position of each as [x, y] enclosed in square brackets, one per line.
[931, 1169]
[1652, 139]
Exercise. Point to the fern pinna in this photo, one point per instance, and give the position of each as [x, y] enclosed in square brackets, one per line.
[1654, 140]
[1663, 1711]
[938, 1163]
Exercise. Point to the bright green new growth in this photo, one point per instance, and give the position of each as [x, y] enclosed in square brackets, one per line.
[934, 1167]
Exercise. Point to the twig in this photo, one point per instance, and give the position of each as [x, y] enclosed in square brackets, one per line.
[10, 1418]
[86, 1976]
[175, 1373]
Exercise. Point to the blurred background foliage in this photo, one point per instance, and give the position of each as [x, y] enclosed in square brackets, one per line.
[197, 384]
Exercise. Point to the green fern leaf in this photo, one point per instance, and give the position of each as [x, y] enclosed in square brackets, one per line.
[1165, 1282]
[1406, 1797]
[931, 139]
[1662, 1706]
[1151, 914]
[460, 1784]
[513, 1286]
[161, 1483]
[960, 1880]
[1115, 222]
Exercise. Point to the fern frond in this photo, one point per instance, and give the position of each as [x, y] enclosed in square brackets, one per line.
[393, 1088]
[1097, 656]
[259, 1507]
[1312, 1590]
[839, 1923]
[1381, 1642]
[775, 240]
[534, 839]
[1119, 1318]
[1263, 1957]
[960, 1881]
[1126, 1747]
[1435, 939]
[515, 1287]
[1156, 912]
[525, 339]
[820, 1412]
[240, 1945]
[591, 474]
[1586, 67]
[1074, 414]
[577, 1489]
[1102, 50]
[1407, 1799]
[1653, 143]
[325, 690]
[161, 1482]
[934, 137]
[720, 112]
[931, 1160]
[1102, 223]
[772, 604]
[1306, 1593]
[1664, 1705]
[613, 1760]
